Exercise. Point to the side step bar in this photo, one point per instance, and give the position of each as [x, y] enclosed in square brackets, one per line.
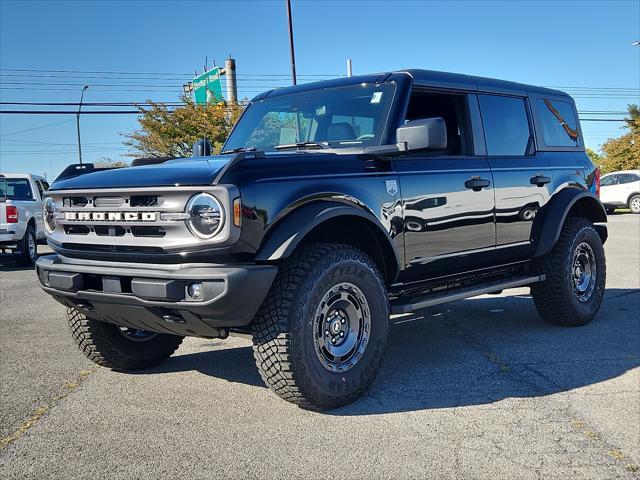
[459, 294]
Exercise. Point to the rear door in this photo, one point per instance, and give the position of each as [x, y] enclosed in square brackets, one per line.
[447, 195]
[628, 184]
[522, 178]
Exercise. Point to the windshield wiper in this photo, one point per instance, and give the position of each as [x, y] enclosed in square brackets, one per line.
[302, 145]
[239, 149]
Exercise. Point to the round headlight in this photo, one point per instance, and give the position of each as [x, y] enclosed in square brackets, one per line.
[205, 215]
[49, 214]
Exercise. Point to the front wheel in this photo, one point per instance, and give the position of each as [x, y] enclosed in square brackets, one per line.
[321, 332]
[576, 273]
[634, 204]
[120, 348]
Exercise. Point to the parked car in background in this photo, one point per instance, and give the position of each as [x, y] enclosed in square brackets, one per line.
[621, 190]
[21, 224]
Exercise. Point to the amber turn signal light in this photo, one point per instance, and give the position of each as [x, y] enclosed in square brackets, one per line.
[237, 212]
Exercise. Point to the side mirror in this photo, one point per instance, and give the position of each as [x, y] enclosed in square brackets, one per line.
[425, 133]
[202, 148]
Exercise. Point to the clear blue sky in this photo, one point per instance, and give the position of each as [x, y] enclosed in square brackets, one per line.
[565, 44]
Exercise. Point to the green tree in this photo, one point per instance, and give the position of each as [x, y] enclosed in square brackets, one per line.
[168, 132]
[623, 153]
[106, 162]
[594, 156]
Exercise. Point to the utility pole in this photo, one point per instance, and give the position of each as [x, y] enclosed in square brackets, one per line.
[293, 55]
[230, 74]
[349, 69]
[78, 123]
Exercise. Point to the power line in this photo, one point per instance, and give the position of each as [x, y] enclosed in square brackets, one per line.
[36, 128]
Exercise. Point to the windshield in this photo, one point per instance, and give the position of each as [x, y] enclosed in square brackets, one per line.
[350, 116]
[15, 189]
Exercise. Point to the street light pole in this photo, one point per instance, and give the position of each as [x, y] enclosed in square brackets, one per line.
[293, 55]
[78, 123]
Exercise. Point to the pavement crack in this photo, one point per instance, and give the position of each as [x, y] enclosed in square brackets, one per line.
[42, 410]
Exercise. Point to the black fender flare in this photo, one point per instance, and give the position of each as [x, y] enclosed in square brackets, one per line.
[287, 233]
[550, 219]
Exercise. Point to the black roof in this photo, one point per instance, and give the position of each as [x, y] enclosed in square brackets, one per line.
[428, 78]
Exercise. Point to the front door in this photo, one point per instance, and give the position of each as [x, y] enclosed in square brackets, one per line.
[447, 196]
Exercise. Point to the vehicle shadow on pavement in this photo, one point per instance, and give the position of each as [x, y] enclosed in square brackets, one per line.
[473, 352]
[7, 264]
[231, 364]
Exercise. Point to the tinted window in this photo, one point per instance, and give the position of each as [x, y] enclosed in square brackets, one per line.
[506, 126]
[608, 180]
[559, 125]
[16, 189]
[626, 178]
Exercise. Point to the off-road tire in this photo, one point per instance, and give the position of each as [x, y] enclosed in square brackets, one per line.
[634, 204]
[283, 339]
[27, 258]
[555, 298]
[102, 343]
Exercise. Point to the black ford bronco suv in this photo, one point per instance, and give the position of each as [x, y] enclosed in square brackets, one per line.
[332, 206]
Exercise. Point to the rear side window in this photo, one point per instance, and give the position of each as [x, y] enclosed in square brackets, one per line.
[627, 178]
[559, 124]
[506, 125]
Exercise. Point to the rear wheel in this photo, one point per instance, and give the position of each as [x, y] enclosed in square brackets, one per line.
[27, 248]
[321, 332]
[634, 204]
[120, 348]
[576, 276]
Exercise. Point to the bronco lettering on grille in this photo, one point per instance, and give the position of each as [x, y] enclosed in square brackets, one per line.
[111, 216]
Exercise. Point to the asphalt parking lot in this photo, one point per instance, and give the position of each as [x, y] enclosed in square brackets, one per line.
[480, 388]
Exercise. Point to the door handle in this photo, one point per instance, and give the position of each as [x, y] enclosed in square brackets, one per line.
[476, 184]
[540, 180]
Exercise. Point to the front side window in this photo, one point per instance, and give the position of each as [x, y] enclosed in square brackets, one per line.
[559, 124]
[506, 125]
[340, 117]
[608, 180]
[452, 108]
[15, 189]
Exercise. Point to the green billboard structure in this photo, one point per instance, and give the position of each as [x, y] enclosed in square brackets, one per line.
[207, 87]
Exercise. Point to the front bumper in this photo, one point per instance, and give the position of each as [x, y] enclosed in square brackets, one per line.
[155, 297]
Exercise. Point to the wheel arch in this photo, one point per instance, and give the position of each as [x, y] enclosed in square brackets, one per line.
[631, 196]
[325, 221]
[570, 202]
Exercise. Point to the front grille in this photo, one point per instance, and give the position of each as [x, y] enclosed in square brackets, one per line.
[155, 232]
[109, 231]
[75, 201]
[76, 230]
[108, 202]
[111, 248]
[133, 220]
[143, 200]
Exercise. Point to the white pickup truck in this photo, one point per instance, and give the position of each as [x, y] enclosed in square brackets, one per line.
[21, 225]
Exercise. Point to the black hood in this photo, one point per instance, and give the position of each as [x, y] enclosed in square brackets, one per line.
[191, 171]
